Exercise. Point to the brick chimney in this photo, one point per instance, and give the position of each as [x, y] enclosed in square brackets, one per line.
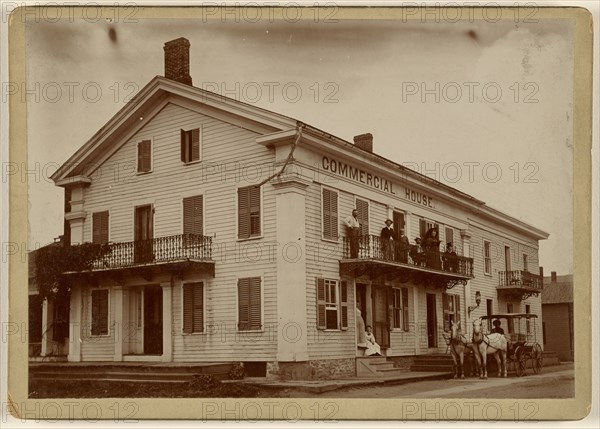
[553, 276]
[364, 141]
[177, 60]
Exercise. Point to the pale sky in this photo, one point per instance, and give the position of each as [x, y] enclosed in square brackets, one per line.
[509, 145]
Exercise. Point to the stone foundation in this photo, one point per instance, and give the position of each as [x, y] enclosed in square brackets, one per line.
[311, 370]
[402, 362]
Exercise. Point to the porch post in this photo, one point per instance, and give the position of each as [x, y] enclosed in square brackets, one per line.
[46, 327]
[292, 336]
[167, 293]
[466, 242]
[119, 331]
[75, 325]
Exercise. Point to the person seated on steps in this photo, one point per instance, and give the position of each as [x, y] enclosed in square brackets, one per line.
[373, 348]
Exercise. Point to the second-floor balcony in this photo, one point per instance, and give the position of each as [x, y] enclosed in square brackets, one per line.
[373, 256]
[173, 252]
[520, 284]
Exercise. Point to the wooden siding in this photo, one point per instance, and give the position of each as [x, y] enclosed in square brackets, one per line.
[231, 159]
[558, 330]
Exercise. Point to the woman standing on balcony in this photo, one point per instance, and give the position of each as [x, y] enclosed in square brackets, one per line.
[431, 243]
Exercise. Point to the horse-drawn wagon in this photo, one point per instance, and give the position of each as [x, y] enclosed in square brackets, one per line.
[520, 331]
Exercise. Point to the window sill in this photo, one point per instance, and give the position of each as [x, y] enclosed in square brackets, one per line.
[257, 237]
[142, 173]
[488, 275]
[251, 331]
[192, 162]
[186, 334]
[330, 240]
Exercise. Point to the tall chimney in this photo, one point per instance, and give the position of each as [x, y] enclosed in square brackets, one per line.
[177, 60]
[364, 141]
[553, 276]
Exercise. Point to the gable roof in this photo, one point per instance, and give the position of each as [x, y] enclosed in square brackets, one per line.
[559, 292]
[160, 90]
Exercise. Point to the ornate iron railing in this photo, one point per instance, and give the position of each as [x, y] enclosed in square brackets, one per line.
[523, 279]
[162, 249]
[374, 247]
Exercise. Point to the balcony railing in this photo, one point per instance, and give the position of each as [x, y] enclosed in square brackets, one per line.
[157, 250]
[374, 248]
[521, 279]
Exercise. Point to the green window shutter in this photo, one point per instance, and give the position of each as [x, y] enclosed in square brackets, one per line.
[193, 215]
[100, 312]
[243, 213]
[445, 311]
[144, 156]
[422, 227]
[344, 304]
[362, 207]
[330, 214]
[321, 316]
[183, 143]
[198, 307]
[188, 308]
[255, 317]
[100, 227]
[243, 304]
[450, 236]
[254, 197]
[195, 152]
[405, 321]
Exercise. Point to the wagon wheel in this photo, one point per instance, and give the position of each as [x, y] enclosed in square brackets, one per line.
[520, 361]
[538, 360]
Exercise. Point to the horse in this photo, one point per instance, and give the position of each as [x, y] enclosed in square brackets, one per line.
[486, 344]
[458, 344]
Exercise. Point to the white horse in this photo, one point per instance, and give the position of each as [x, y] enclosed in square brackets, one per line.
[458, 344]
[484, 345]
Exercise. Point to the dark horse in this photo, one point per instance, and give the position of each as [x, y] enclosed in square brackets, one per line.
[458, 344]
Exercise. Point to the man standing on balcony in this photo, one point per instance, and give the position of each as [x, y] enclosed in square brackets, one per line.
[402, 247]
[353, 232]
[387, 237]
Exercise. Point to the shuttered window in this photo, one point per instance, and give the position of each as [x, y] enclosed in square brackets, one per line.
[332, 304]
[144, 156]
[193, 307]
[249, 304]
[100, 227]
[450, 236]
[190, 145]
[99, 312]
[193, 215]
[400, 308]
[362, 207]
[330, 214]
[249, 212]
[451, 308]
[487, 258]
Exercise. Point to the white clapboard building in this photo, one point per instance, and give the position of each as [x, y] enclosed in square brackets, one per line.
[214, 257]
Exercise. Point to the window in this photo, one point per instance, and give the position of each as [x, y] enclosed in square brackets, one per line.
[511, 326]
[400, 308]
[190, 145]
[507, 258]
[193, 307]
[450, 236]
[249, 304]
[362, 207]
[193, 215]
[330, 214]
[451, 307]
[249, 212]
[100, 312]
[144, 156]
[332, 304]
[100, 227]
[487, 258]
[525, 262]
[426, 225]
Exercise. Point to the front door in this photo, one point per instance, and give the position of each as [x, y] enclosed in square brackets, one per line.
[143, 234]
[431, 321]
[380, 316]
[361, 300]
[153, 321]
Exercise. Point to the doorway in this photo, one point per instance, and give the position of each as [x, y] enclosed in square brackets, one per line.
[431, 321]
[361, 300]
[143, 234]
[153, 320]
[380, 316]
